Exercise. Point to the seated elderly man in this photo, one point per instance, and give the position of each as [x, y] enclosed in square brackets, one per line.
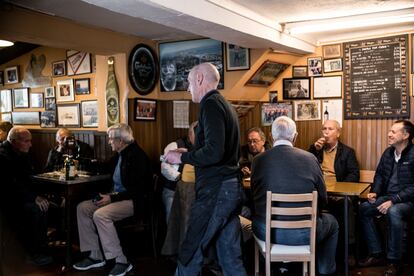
[256, 143]
[81, 151]
[288, 170]
[391, 196]
[132, 176]
[24, 209]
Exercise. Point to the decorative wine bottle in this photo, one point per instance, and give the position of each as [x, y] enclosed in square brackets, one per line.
[112, 95]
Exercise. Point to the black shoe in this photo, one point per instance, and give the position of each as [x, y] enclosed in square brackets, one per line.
[392, 270]
[88, 263]
[40, 259]
[371, 261]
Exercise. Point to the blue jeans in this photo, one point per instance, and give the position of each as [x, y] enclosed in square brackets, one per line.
[223, 232]
[327, 230]
[167, 199]
[395, 216]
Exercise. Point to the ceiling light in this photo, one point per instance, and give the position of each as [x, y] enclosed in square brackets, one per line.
[342, 24]
[5, 43]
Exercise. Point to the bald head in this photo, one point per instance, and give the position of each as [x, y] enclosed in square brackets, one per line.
[20, 138]
[202, 79]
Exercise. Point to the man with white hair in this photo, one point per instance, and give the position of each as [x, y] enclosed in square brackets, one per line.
[25, 209]
[214, 214]
[288, 170]
[131, 176]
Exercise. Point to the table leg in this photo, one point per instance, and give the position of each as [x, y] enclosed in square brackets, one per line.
[68, 207]
[346, 235]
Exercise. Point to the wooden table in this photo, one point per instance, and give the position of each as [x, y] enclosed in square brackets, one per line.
[343, 189]
[71, 190]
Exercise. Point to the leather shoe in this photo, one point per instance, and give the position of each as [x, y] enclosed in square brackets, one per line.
[371, 261]
[392, 270]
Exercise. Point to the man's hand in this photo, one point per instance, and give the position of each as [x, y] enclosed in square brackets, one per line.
[246, 171]
[383, 208]
[372, 197]
[320, 143]
[173, 156]
[42, 203]
[105, 200]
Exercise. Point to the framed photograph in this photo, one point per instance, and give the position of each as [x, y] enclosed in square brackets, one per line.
[238, 58]
[26, 118]
[270, 111]
[68, 115]
[332, 51]
[64, 91]
[5, 100]
[177, 59]
[267, 73]
[300, 71]
[327, 87]
[273, 97]
[82, 86]
[1, 78]
[21, 97]
[50, 104]
[314, 66]
[78, 62]
[412, 86]
[36, 100]
[145, 110]
[307, 110]
[332, 65]
[7, 117]
[50, 92]
[412, 55]
[90, 116]
[332, 110]
[11, 75]
[48, 119]
[59, 68]
[296, 88]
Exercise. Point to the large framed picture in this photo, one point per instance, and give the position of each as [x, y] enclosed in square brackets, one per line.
[89, 113]
[48, 119]
[307, 110]
[36, 100]
[5, 100]
[21, 97]
[11, 75]
[68, 115]
[64, 91]
[327, 87]
[332, 51]
[78, 62]
[238, 58]
[267, 73]
[270, 111]
[296, 88]
[177, 59]
[26, 118]
[332, 65]
[315, 66]
[82, 86]
[59, 68]
[299, 71]
[145, 110]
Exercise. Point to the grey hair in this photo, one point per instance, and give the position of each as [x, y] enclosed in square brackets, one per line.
[61, 132]
[121, 131]
[259, 131]
[14, 133]
[283, 128]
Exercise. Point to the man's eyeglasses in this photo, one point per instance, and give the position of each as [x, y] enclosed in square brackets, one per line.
[254, 141]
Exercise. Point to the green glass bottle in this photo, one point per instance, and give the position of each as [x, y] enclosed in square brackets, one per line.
[112, 95]
[69, 168]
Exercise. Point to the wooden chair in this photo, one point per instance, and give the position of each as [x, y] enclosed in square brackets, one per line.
[366, 176]
[288, 253]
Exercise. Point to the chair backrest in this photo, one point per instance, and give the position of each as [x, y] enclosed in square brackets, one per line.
[310, 212]
[366, 176]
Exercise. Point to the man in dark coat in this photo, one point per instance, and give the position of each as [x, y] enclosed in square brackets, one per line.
[391, 196]
[131, 176]
[214, 213]
[24, 208]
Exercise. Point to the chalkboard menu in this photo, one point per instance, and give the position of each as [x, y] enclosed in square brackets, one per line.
[376, 78]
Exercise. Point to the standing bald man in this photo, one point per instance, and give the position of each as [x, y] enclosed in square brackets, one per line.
[214, 214]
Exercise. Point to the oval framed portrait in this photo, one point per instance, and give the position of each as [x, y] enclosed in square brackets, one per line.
[143, 69]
